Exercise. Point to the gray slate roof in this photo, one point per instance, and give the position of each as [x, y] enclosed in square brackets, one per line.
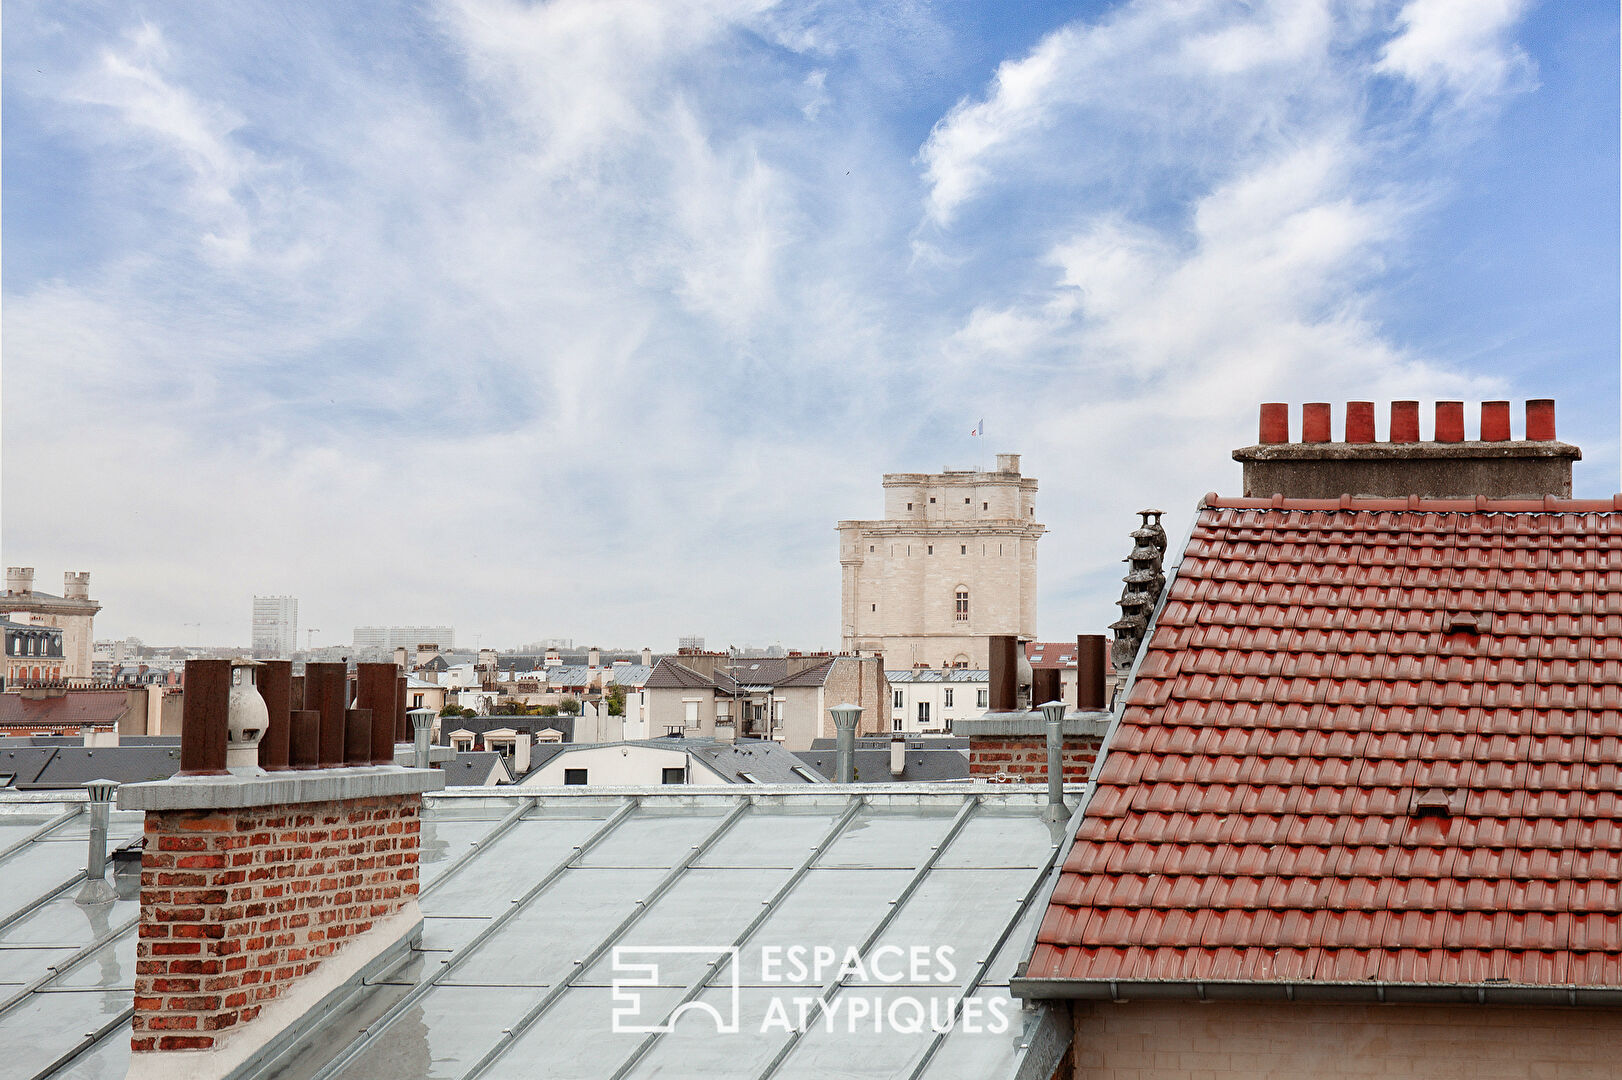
[873, 766]
[471, 768]
[70, 767]
[938, 675]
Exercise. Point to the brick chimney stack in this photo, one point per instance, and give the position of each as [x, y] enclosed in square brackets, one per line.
[264, 897]
[1449, 466]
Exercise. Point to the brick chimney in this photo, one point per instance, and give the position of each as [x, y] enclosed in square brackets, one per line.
[264, 898]
[1009, 744]
[1448, 466]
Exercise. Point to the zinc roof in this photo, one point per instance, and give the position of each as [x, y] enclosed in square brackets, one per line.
[525, 899]
[1367, 740]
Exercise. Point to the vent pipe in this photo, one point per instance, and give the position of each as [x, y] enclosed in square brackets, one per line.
[1055, 811]
[845, 718]
[97, 889]
[422, 726]
[898, 755]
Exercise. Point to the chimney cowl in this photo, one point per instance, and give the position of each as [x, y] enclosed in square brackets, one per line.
[1448, 465]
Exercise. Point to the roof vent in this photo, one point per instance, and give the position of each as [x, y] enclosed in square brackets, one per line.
[1435, 802]
[1465, 622]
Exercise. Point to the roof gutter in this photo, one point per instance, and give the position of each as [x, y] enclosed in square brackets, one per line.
[1488, 993]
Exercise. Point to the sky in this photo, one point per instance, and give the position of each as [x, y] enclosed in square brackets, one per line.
[591, 319]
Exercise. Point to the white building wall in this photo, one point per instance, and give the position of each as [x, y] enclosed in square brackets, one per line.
[620, 766]
[947, 703]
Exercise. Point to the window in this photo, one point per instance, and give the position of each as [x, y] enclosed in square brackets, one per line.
[875, 607]
[909, 506]
[673, 775]
[948, 702]
[982, 698]
[895, 724]
[900, 701]
[932, 500]
[870, 549]
[962, 604]
[985, 506]
[930, 550]
[574, 777]
[965, 502]
[923, 713]
[416, 701]
[963, 549]
[690, 710]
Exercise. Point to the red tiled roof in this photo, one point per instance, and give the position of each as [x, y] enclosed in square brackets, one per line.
[1057, 654]
[72, 708]
[1369, 739]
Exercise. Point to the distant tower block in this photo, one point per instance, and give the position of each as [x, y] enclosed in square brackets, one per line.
[952, 563]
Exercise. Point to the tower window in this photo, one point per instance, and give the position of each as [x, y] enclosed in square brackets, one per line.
[875, 607]
[930, 550]
[985, 506]
[870, 549]
[965, 502]
[963, 549]
[963, 605]
[932, 500]
[909, 506]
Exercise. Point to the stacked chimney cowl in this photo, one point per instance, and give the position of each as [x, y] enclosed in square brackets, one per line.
[1448, 465]
[1144, 581]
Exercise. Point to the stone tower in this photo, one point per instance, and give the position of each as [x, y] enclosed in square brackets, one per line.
[952, 563]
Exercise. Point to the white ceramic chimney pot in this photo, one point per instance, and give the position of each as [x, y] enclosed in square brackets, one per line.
[245, 721]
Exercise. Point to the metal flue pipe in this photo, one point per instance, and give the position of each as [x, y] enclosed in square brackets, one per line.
[422, 725]
[1056, 810]
[97, 889]
[845, 718]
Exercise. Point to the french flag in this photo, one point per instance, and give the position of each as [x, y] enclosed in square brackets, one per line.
[979, 429]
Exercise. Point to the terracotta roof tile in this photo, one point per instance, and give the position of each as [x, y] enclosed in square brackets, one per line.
[1368, 739]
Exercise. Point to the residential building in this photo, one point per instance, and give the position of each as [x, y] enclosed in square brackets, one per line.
[138, 710]
[926, 701]
[73, 612]
[952, 563]
[275, 627]
[1359, 812]
[388, 638]
[714, 695]
[667, 761]
[32, 653]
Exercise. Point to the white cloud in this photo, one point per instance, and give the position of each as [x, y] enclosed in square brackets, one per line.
[592, 318]
[1458, 47]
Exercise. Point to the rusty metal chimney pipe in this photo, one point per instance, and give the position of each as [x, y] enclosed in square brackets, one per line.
[275, 684]
[1004, 696]
[376, 691]
[1090, 683]
[203, 726]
